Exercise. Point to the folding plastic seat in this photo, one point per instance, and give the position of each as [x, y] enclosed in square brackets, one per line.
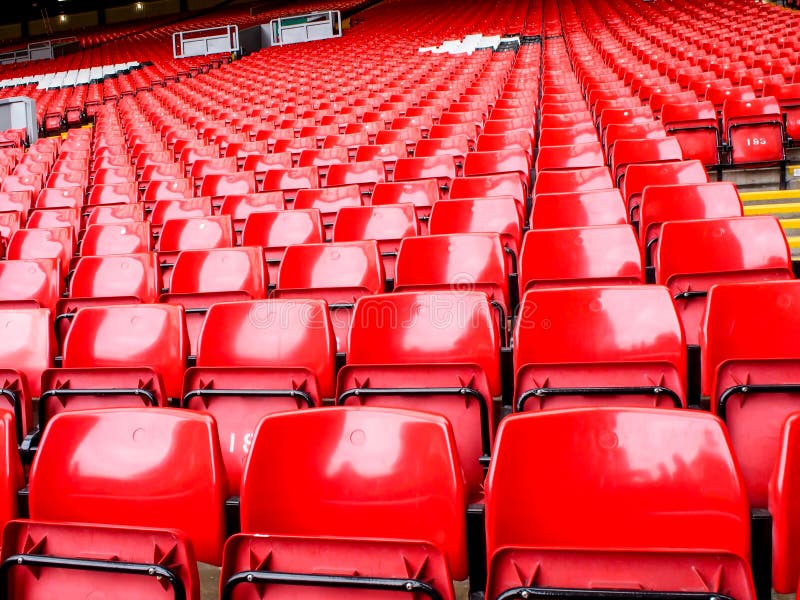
[578, 256]
[179, 208]
[458, 262]
[683, 202]
[695, 255]
[117, 356]
[574, 156]
[240, 206]
[489, 186]
[162, 172]
[53, 218]
[239, 379]
[114, 176]
[15, 202]
[421, 193]
[217, 185]
[457, 147]
[71, 197]
[201, 278]
[570, 543]
[718, 95]
[351, 141]
[329, 200]
[274, 231]
[696, 128]
[261, 163]
[578, 209]
[365, 174]
[323, 158]
[338, 273]
[116, 238]
[22, 183]
[30, 283]
[190, 154]
[749, 371]
[754, 130]
[562, 362]
[166, 510]
[369, 537]
[640, 175]
[27, 351]
[43, 243]
[470, 130]
[632, 131]
[636, 114]
[289, 181]
[564, 136]
[573, 180]
[629, 152]
[120, 193]
[241, 150]
[501, 141]
[559, 120]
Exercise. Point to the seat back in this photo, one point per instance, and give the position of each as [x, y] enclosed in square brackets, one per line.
[683, 202]
[578, 209]
[784, 510]
[115, 238]
[749, 368]
[640, 175]
[43, 243]
[146, 335]
[33, 282]
[628, 152]
[458, 261]
[220, 270]
[682, 498]
[619, 345]
[196, 234]
[128, 467]
[363, 467]
[573, 180]
[118, 275]
[580, 256]
[694, 255]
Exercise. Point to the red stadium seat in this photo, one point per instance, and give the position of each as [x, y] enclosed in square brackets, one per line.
[217, 185]
[570, 542]
[274, 231]
[43, 243]
[697, 201]
[31, 283]
[754, 130]
[329, 200]
[578, 209]
[338, 273]
[628, 152]
[201, 278]
[748, 358]
[565, 356]
[694, 255]
[580, 256]
[147, 482]
[783, 509]
[289, 181]
[573, 180]
[422, 193]
[377, 508]
[117, 238]
[386, 224]
[640, 175]
[696, 128]
[441, 168]
[239, 379]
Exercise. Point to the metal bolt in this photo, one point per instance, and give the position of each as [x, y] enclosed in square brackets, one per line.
[19, 561]
[249, 579]
[524, 594]
[409, 586]
[744, 389]
[151, 571]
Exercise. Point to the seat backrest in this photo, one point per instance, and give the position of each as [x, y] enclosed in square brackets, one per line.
[116, 238]
[281, 228]
[421, 193]
[300, 331]
[43, 243]
[685, 114]
[578, 209]
[383, 222]
[230, 183]
[352, 265]
[197, 233]
[437, 166]
[675, 484]
[290, 179]
[130, 275]
[573, 156]
[490, 186]
[640, 175]
[426, 327]
[28, 343]
[362, 464]
[180, 208]
[512, 160]
[128, 467]
[628, 152]
[458, 261]
[328, 200]
[580, 256]
[370, 171]
[610, 325]
[142, 335]
[573, 180]
[683, 202]
[220, 270]
[503, 215]
[35, 281]
[115, 213]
